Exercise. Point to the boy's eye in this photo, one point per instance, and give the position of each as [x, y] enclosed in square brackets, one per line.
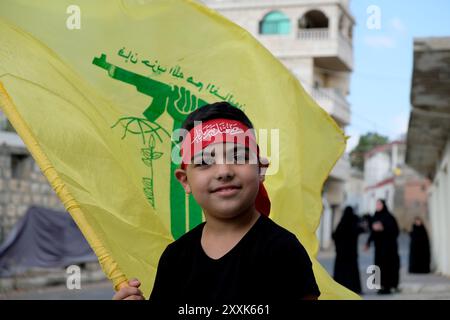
[205, 161]
[241, 157]
[203, 164]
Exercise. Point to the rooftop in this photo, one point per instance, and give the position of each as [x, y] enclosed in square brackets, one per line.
[429, 124]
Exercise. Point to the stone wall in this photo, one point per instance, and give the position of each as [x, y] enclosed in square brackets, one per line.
[22, 185]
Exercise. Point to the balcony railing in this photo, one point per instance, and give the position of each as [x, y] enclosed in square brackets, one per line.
[342, 168]
[334, 102]
[314, 34]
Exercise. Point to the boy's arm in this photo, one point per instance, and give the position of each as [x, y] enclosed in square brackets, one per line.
[311, 290]
[161, 287]
[296, 275]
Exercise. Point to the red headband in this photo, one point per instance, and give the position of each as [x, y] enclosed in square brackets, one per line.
[223, 130]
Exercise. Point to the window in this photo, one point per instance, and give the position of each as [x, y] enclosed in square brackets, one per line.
[275, 22]
[313, 19]
[20, 166]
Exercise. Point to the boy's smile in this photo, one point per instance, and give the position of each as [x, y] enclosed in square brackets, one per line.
[227, 190]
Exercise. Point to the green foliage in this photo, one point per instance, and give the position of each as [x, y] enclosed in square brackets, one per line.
[366, 143]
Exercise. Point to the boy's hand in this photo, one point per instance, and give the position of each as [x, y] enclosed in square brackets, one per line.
[130, 292]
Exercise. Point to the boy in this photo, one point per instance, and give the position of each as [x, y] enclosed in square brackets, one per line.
[238, 254]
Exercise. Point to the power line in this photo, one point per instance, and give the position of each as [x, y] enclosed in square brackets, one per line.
[376, 125]
[366, 74]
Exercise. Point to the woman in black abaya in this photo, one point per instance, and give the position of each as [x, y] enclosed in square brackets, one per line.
[384, 233]
[346, 270]
[419, 248]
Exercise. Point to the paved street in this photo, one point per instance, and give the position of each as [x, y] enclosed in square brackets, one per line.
[429, 286]
[413, 286]
[92, 291]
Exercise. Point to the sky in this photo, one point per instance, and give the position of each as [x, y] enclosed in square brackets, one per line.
[383, 61]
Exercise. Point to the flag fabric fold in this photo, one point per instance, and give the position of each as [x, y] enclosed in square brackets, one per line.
[97, 105]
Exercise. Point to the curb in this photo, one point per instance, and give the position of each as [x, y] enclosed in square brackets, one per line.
[424, 288]
[47, 280]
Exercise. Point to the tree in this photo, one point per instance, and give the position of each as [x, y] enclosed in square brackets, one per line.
[366, 143]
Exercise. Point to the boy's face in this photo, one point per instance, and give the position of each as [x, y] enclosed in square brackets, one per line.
[224, 179]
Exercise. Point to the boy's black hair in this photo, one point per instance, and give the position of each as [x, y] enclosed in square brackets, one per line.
[215, 111]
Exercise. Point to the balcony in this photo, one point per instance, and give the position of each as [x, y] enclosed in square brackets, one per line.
[332, 101]
[331, 50]
[341, 171]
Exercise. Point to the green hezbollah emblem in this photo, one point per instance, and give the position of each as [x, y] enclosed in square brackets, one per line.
[179, 103]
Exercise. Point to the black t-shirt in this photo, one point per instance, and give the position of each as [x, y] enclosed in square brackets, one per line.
[268, 264]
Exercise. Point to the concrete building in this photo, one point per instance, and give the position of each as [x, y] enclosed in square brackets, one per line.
[411, 198]
[428, 140]
[354, 191]
[381, 165]
[386, 176]
[312, 38]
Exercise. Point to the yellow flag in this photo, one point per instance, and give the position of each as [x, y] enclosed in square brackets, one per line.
[96, 88]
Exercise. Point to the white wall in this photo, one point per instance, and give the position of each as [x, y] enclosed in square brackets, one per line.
[325, 228]
[377, 168]
[440, 215]
[371, 196]
[354, 192]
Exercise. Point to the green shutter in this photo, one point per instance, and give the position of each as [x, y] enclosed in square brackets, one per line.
[275, 22]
